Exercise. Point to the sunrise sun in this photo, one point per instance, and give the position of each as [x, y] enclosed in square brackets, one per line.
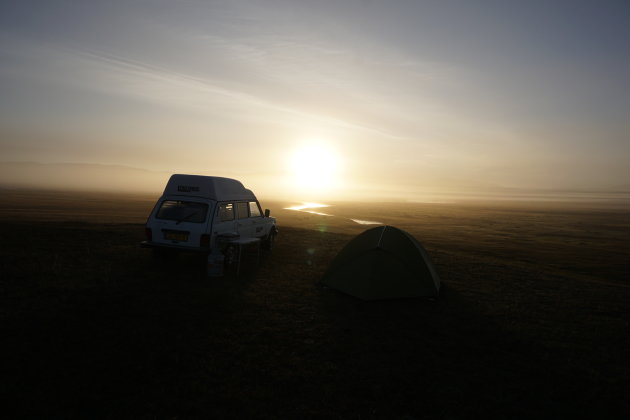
[314, 167]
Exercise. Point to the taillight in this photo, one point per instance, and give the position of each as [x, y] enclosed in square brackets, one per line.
[148, 234]
[204, 241]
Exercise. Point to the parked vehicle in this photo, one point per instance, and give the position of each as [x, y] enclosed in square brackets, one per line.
[207, 214]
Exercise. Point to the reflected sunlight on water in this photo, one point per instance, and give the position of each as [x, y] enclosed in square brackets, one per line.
[306, 208]
[366, 222]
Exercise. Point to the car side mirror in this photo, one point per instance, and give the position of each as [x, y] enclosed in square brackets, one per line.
[267, 212]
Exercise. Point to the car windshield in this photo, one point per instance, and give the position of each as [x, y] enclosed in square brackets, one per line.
[183, 211]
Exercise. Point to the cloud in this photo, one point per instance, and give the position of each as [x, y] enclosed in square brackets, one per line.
[114, 75]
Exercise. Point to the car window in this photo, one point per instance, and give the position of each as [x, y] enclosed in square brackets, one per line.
[254, 210]
[242, 210]
[226, 212]
[182, 211]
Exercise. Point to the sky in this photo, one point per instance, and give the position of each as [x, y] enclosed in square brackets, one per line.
[388, 99]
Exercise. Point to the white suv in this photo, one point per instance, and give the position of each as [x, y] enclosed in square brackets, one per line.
[203, 213]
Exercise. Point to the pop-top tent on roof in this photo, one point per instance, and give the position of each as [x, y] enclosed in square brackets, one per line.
[383, 263]
[213, 187]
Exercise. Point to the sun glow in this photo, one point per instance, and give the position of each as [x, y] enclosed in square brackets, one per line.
[314, 168]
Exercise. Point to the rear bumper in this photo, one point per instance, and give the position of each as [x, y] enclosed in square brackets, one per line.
[174, 247]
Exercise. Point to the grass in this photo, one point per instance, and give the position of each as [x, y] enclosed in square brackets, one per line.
[531, 322]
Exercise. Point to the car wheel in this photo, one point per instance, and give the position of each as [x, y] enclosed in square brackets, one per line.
[269, 242]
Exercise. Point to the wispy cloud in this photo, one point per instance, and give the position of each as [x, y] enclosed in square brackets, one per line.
[111, 74]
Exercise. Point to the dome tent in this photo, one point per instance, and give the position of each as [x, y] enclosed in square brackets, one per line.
[383, 263]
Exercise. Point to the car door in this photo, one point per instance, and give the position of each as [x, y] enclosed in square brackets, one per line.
[225, 223]
[257, 220]
[245, 224]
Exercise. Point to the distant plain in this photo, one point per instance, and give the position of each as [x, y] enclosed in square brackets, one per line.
[532, 320]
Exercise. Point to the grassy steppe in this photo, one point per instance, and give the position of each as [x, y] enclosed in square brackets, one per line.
[532, 320]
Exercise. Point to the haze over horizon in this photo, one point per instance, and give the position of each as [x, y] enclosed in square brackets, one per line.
[327, 100]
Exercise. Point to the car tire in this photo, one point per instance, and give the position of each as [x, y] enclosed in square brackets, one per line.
[269, 243]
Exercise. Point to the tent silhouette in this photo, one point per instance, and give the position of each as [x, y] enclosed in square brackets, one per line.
[383, 263]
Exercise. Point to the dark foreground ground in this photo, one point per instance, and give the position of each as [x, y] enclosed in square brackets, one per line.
[532, 321]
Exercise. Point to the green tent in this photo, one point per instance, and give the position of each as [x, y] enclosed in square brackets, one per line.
[383, 263]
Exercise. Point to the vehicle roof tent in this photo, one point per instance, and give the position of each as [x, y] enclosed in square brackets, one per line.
[213, 187]
[383, 263]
